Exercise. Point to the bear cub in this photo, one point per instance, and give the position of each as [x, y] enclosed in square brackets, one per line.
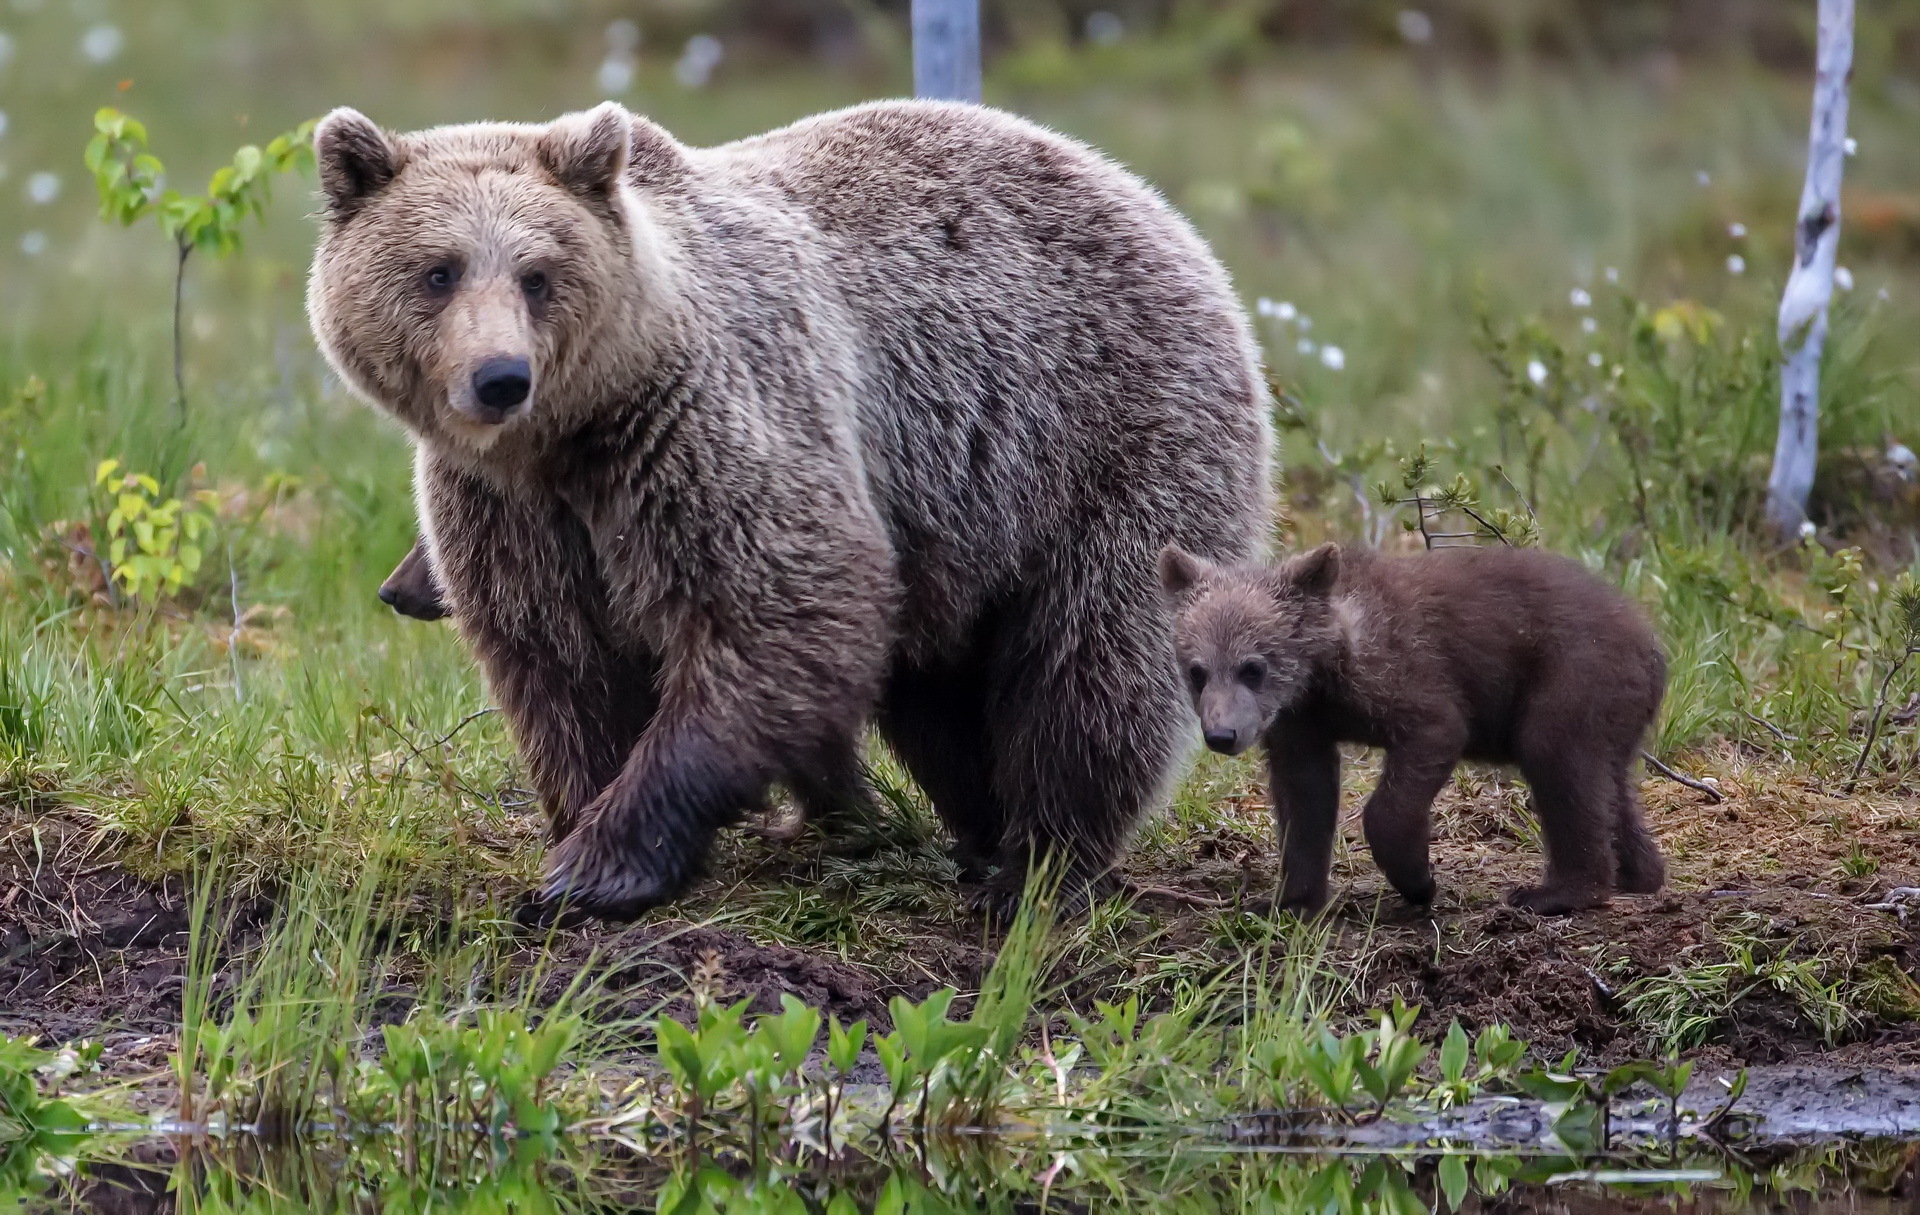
[1510, 656]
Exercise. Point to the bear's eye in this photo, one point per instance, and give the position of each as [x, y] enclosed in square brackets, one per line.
[1197, 676]
[441, 278]
[1253, 675]
[534, 284]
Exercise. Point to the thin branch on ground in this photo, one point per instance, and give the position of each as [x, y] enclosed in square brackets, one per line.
[1682, 778]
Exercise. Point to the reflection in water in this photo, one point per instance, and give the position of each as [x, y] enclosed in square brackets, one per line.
[968, 1175]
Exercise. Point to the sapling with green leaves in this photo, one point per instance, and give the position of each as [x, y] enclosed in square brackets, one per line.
[131, 183]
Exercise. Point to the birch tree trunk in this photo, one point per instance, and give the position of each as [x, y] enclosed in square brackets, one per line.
[1803, 307]
[946, 49]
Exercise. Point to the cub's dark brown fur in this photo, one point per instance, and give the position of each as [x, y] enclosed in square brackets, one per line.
[1504, 655]
[411, 589]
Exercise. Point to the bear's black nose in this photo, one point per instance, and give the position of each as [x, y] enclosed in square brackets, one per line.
[499, 385]
[1222, 740]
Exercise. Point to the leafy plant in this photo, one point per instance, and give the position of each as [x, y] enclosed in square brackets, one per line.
[155, 543]
[131, 183]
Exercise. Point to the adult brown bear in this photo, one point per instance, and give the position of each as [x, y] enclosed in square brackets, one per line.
[722, 453]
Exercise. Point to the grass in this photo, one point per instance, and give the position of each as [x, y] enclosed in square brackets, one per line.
[271, 730]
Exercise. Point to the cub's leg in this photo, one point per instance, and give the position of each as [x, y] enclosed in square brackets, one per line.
[1576, 793]
[1303, 780]
[1398, 817]
[1642, 870]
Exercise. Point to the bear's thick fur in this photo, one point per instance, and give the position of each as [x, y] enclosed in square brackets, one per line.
[722, 453]
[1506, 655]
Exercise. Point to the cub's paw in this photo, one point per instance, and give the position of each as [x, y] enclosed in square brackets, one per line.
[1558, 900]
[1305, 902]
[1420, 893]
[1641, 875]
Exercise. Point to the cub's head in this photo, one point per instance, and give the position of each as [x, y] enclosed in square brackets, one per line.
[1250, 639]
[464, 273]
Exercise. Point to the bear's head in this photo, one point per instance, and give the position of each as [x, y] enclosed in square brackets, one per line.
[467, 276]
[1250, 640]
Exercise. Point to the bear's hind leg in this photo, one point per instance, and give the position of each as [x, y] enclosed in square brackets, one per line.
[1642, 870]
[935, 722]
[1087, 723]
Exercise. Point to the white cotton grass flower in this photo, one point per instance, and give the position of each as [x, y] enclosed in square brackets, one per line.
[1589, 325]
[1843, 278]
[1104, 28]
[696, 63]
[1807, 529]
[102, 43]
[1305, 322]
[1415, 26]
[1613, 274]
[6, 48]
[1702, 178]
[1334, 357]
[1304, 346]
[615, 75]
[1852, 146]
[1594, 359]
[623, 37]
[1263, 306]
[1736, 264]
[43, 188]
[3, 124]
[1536, 371]
[1737, 230]
[34, 243]
[1285, 310]
[1579, 298]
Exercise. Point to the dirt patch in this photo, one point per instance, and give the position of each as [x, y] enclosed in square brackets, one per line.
[1781, 893]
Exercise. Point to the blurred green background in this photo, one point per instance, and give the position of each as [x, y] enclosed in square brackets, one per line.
[1376, 164]
[1383, 171]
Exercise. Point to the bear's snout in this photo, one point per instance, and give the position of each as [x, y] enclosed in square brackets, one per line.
[500, 385]
[1226, 742]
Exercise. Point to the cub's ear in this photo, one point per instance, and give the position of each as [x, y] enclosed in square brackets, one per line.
[1180, 570]
[1316, 570]
[587, 153]
[356, 160]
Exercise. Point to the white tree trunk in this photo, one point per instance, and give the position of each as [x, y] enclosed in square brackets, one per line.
[1816, 238]
[946, 49]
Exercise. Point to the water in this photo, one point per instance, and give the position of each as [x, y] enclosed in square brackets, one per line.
[982, 1174]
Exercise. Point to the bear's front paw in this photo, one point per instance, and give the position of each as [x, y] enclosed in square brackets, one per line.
[1558, 900]
[608, 880]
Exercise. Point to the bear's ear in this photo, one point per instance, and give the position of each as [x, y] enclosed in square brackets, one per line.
[1314, 572]
[654, 158]
[356, 160]
[587, 153]
[1180, 571]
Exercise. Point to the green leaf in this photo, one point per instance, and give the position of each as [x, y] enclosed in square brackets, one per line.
[1453, 1054]
[1453, 1180]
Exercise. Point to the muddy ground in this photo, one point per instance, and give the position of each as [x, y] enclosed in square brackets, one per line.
[1784, 878]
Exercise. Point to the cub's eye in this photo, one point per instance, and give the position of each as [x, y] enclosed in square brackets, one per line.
[441, 278]
[1197, 677]
[1253, 675]
[534, 284]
